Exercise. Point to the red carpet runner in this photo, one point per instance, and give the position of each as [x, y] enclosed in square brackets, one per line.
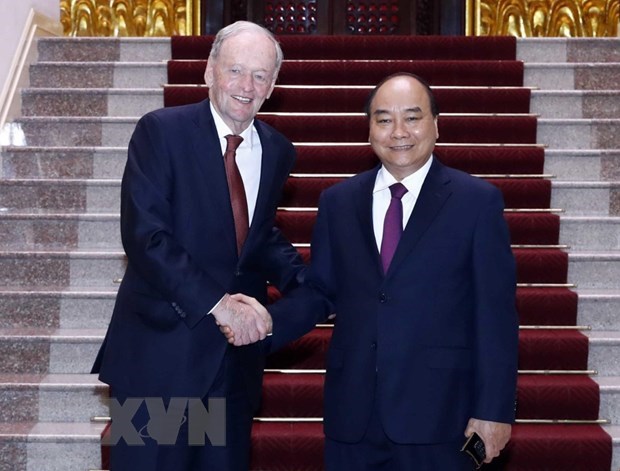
[337, 63]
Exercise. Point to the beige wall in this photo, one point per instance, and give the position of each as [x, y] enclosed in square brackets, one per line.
[13, 16]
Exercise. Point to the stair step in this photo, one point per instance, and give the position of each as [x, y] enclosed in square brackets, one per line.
[584, 233]
[50, 446]
[604, 352]
[43, 351]
[568, 104]
[90, 308]
[80, 49]
[62, 269]
[556, 133]
[138, 101]
[56, 308]
[614, 433]
[60, 231]
[114, 131]
[98, 74]
[586, 198]
[437, 72]
[549, 349]
[52, 398]
[108, 162]
[554, 104]
[594, 270]
[91, 102]
[610, 397]
[568, 50]
[572, 76]
[63, 162]
[599, 309]
[580, 165]
[546, 397]
[92, 268]
[579, 133]
[65, 195]
[103, 195]
[52, 230]
[278, 446]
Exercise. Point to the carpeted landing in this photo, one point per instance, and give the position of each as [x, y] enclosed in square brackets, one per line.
[485, 129]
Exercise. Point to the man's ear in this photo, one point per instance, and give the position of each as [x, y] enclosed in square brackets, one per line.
[273, 84]
[209, 75]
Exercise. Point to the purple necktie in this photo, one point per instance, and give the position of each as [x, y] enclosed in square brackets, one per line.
[238, 200]
[393, 225]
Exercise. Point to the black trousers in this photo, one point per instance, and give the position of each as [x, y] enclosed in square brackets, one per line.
[156, 453]
[376, 452]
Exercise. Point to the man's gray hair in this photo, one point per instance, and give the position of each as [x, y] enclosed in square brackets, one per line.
[243, 27]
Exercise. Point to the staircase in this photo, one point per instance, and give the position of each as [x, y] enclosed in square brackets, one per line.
[60, 250]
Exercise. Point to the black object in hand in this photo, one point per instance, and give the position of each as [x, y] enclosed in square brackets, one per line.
[474, 447]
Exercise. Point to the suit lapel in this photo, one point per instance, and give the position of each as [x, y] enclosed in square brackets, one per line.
[269, 165]
[210, 161]
[434, 193]
[363, 200]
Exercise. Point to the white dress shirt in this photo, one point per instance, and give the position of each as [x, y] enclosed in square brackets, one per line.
[381, 196]
[249, 158]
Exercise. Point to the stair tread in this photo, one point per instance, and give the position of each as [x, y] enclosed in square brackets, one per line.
[608, 383]
[598, 293]
[604, 337]
[60, 334]
[39, 290]
[51, 431]
[52, 380]
[614, 432]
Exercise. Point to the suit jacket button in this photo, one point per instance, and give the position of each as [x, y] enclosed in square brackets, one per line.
[383, 298]
[373, 345]
[183, 315]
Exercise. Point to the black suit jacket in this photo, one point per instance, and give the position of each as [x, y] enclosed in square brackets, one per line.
[178, 233]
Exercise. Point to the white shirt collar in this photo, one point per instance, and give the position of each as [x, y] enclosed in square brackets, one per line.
[413, 182]
[223, 130]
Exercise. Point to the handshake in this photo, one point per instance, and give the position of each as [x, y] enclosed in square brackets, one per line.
[242, 319]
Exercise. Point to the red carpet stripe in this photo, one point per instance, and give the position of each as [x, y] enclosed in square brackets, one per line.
[436, 72]
[326, 100]
[532, 448]
[538, 350]
[536, 306]
[525, 228]
[556, 397]
[365, 47]
[452, 129]
[534, 193]
[528, 160]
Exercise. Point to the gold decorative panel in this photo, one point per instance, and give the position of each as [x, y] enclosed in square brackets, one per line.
[546, 18]
[130, 17]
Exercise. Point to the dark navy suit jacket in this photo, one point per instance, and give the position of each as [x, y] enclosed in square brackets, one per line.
[434, 341]
[178, 233]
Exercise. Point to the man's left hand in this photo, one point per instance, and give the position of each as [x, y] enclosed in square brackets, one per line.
[495, 435]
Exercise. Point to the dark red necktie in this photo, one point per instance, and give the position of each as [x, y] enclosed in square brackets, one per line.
[393, 225]
[237, 191]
